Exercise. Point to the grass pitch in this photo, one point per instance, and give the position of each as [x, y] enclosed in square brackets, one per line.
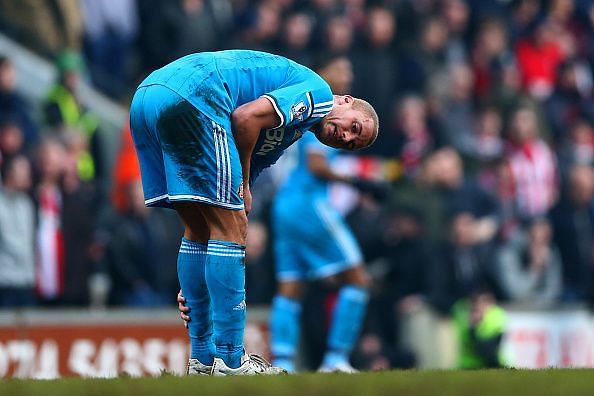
[414, 383]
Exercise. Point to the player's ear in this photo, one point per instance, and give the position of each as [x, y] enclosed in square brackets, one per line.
[343, 99]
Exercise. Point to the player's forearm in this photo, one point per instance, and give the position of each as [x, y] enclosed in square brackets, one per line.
[328, 175]
[318, 165]
[245, 136]
[247, 122]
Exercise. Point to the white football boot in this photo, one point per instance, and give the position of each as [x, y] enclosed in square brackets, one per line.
[342, 367]
[197, 368]
[251, 364]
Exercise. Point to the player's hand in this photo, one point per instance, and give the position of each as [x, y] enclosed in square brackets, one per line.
[247, 198]
[183, 310]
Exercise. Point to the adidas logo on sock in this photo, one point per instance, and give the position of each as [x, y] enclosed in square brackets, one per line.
[240, 306]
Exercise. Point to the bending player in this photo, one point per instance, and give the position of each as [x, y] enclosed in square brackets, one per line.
[204, 127]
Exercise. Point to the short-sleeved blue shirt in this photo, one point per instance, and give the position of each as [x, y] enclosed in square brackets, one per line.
[217, 83]
[301, 181]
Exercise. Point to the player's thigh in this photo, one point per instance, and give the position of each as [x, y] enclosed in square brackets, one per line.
[148, 149]
[332, 248]
[356, 275]
[291, 289]
[200, 157]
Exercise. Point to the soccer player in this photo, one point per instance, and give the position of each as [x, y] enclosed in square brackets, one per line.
[204, 126]
[312, 241]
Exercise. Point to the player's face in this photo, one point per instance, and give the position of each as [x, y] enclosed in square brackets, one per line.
[344, 127]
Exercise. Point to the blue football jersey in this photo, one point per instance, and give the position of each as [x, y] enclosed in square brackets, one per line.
[300, 180]
[217, 83]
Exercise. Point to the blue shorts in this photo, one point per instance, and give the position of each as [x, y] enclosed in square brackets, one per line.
[312, 241]
[184, 155]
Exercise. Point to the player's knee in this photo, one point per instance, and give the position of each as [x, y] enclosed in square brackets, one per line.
[200, 235]
[236, 229]
[357, 276]
[227, 225]
[292, 290]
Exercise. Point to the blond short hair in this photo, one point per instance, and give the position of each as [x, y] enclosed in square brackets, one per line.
[366, 108]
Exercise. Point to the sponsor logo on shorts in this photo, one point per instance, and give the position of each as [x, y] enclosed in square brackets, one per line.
[240, 190]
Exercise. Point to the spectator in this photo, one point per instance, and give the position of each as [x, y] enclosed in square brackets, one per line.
[538, 57]
[338, 36]
[571, 99]
[142, 241]
[48, 26]
[17, 235]
[401, 276]
[50, 166]
[480, 326]
[523, 16]
[13, 106]
[528, 266]
[489, 55]
[11, 139]
[81, 205]
[356, 12]
[532, 167]
[577, 147]
[457, 15]
[261, 27]
[126, 170]
[461, 194]
[375, 63]
[573, 227]
[424, 66]
[506, 92]
[412, 137]
[109, 32]
[321, 11]
[570, 31]
[457, 106]
[461, 265]
[63, 108]
[295, 38]
[338, 72]
[484, 148]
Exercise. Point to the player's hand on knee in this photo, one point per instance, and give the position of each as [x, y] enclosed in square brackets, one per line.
[183, 310]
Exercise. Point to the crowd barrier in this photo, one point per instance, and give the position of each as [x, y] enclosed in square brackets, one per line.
[49, 344]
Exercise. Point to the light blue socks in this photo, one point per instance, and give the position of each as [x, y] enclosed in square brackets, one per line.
[191, 262]
[347, 320]
[284, 331]
[225, 277]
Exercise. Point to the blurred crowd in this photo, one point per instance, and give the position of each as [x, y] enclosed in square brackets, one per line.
[487, 143]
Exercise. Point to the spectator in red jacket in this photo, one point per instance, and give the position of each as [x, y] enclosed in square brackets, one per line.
[538, 59]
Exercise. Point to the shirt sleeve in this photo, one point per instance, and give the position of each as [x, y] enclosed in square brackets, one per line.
[299, 103]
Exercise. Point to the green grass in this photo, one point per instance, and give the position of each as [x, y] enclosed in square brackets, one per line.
[405, 383]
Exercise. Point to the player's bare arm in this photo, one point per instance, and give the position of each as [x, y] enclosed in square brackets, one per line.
[319, 166]
[247, 121]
